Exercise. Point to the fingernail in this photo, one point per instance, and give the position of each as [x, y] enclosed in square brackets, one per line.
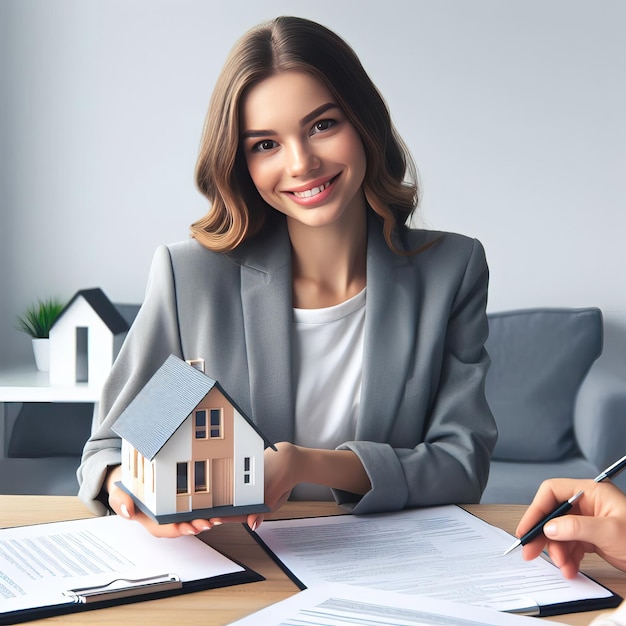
[255, 525]
[124, 510]
[206, 528]
[217, 523]
[190, 532]
[549, 529]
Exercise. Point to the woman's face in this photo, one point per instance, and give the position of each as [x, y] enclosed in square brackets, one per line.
[304, 156]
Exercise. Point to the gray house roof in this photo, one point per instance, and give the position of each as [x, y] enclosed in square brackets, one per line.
[105, 309]
[164, 403]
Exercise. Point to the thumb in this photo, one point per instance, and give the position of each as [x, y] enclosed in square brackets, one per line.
[122, 503]
[254, 521]
[573, 528]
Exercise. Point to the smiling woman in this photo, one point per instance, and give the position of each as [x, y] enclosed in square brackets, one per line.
[353, 341]
[296, 46]
[311, 166]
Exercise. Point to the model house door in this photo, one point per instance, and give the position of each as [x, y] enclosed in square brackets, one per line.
[222, 482]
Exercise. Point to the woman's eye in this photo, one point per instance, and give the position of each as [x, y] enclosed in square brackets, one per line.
[323, 125]
[264, 146]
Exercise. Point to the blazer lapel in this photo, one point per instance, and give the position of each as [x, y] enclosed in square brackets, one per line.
[391, 309]
[267, 310]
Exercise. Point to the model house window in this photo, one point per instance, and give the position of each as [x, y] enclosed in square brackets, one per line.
[182, 478]
[200, 476]
[247, 470]
[217, 424]
[151, 478]
[200, 423]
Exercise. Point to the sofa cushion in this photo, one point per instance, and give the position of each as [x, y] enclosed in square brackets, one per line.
[539, 359]
[517, 482]
[46, 476]
[46, 429]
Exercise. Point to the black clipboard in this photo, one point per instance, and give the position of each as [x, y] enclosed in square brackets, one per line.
[120, 590]
[27, 615]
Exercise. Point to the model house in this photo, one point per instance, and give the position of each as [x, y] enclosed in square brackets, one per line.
[188, 451]
[85, 339]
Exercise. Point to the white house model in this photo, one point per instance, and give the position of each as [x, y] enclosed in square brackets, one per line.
[85, 339]
[188, 451]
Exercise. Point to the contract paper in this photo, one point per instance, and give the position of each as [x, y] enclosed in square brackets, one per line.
[345, 605]
[440, 552]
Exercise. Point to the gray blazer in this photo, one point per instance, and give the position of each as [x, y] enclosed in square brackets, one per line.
[425, 432]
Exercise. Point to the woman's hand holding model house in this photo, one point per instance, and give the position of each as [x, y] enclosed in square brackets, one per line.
[284, 468]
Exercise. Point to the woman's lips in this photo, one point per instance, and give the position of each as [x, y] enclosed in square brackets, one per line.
[314, 193]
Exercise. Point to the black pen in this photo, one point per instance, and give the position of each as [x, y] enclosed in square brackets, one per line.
[564, 507]
[612, 470]
[536, 530]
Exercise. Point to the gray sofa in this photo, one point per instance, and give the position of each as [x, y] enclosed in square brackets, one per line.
[555, 417]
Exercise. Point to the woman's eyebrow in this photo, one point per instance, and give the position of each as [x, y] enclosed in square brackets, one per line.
[248, 134]
[313, 114]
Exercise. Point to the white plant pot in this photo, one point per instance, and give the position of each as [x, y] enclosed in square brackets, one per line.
[41, 350]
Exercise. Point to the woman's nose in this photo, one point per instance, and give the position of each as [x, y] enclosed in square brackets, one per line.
[301, 159]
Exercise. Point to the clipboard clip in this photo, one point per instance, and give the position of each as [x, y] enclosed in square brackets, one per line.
[123, 588]
[522, 605]
[532, 610]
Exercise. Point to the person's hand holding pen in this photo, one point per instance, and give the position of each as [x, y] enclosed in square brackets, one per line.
[596, 523]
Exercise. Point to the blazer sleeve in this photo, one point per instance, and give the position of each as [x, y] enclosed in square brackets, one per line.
[451, 462]
[152, 338]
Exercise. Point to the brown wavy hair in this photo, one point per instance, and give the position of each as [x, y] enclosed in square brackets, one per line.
[294, 44]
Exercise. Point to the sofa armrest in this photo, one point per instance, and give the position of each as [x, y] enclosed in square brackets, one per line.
[600, 415]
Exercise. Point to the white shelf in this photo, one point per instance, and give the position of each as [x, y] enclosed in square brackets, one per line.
[28, 385]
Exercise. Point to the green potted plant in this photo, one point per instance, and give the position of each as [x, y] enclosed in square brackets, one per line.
[36, 321]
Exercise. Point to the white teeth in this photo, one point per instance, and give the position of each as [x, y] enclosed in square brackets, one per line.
[309, 193]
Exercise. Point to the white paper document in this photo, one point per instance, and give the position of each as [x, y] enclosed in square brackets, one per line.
[346, 605]
[440, 552]
[39, 564]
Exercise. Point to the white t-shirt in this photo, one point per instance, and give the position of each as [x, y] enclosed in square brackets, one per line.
[328, 360]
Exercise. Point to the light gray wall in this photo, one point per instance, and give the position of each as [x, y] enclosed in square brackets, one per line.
[514, 111]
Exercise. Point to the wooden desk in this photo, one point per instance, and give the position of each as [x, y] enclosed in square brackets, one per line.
[222, 606]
